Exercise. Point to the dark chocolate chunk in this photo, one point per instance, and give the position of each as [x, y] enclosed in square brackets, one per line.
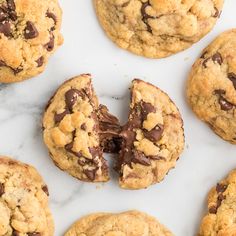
[145, 16]
[217, 58]
[71, 97]
[232, 77]
[146, 109]
[95, 151]
[3, 15]
[5, 28]
[112, 145]
[59, 117]
[139, 157]
[224, 104]
[155, 134]
[45, 189]
[1, 189]
[213, 210]
[50, 45]
[69, 147]
[220, 188]
[40, 61]
[11, 5]
[91, 174]
[31, 31]
[15, 233]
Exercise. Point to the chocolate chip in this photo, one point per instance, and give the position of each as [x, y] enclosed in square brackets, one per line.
[204, 63]
[40, 61]
[155, 134]
[17, 70]
[220, 188]
[50, 45]
[213, 210]
[95, 151]
[5, 28]
[45, 189]
[3, 15]
[217, 58]
[11, 5]
[145, 16]
[112, 145]
[69, 147]
[91, 174]
[71, 97]
[224, 104]
[83, 127]
[232, 77]
[31, 31]
[12, 15]
[15, 233]
[59, 117]
[2, 189]
[34, 234]
[52, 16]
[217, 12]
[139, 157]
[146, 109]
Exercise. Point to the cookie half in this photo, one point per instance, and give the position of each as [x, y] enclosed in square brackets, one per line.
[29, 34]
[221, 216]
[157, 28]
[130, 223]
[72, 130]
[24, 207]
[153, 138]
[211, 87]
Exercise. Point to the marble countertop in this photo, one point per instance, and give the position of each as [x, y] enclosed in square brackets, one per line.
[179, 201]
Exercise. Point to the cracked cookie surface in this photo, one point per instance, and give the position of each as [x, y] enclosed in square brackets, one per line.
[153, 138]
[221, 217]
[211, 87]
[23, 201]
[72, 131]
[107, 224]
[29, 34]
[157, 28]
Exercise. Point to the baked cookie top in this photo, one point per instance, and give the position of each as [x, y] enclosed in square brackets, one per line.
[71, 130]
[105, 224]
[157, 28]
[23, 201]
[211, 87]
[29, 34]
[221, 217]
[153, 138]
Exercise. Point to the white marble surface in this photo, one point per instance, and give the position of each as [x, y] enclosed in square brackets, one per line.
[180, 200]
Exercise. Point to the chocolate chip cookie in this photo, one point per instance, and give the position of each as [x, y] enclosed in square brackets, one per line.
[157, 28]
[211, 88]
[153, 138]
[130, 223]
[74, 134]
[23, 201]
[221, 216]
[29, 34]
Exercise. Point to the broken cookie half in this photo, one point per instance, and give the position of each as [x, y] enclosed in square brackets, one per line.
[153, 138]
[72, 133]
